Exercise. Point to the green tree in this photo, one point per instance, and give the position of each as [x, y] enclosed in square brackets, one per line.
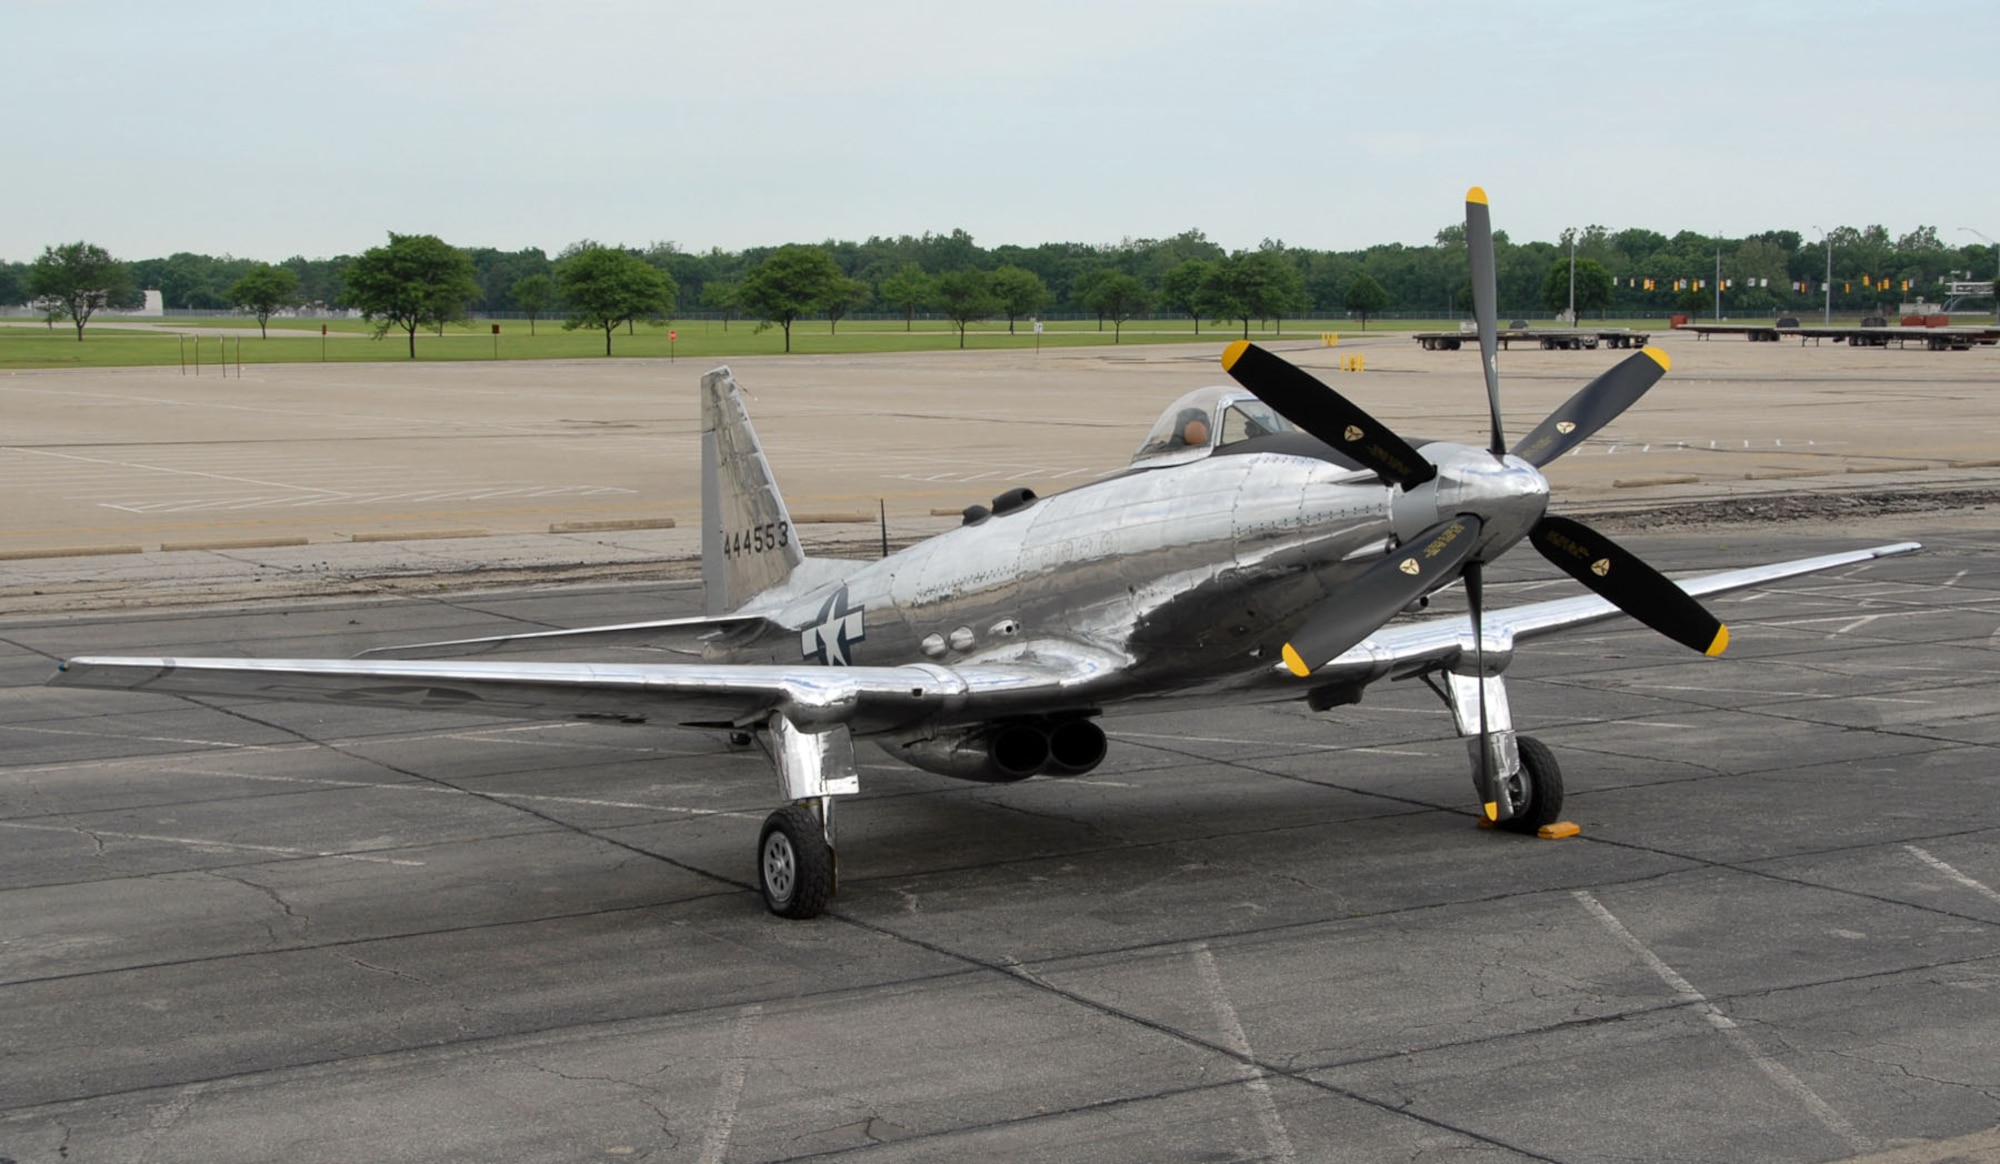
[1364, 296]
[264, 291]
[1252, 285]
[1085, 286]
[722, 296]
[1118, 298]
[414, 281]
[1276, 287]
[603, 287]
[1593, 286]
[842, 296]
[498, 272]
[534, 294]
[13, 284]
[196, 282]
[790, 282]
[79, 279]
[909, 290]
[1019, 291]
[967, 297]
[1180, 289]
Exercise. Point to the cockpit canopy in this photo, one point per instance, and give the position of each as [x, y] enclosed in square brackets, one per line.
[1204, 420]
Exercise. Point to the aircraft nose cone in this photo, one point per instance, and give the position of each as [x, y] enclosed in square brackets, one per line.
[1507, 493]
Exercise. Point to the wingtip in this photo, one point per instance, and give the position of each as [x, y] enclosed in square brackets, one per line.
[1233, 353]
[1659, 357]
[1476, 194]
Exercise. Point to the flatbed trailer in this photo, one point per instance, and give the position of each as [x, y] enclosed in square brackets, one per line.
[1936, 339]
[1550, 338]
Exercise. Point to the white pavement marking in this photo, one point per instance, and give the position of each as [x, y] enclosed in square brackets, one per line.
[1986, 891]
[1848, 622]
[1791, 1084]
[722, 1118]
[448, 790]
[1261, 1102]
[480, 735]
[199, 843]
[1261, 743]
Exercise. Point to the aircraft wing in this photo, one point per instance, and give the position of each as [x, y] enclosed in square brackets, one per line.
[690, 694]
[655, 633]
[1414, 648]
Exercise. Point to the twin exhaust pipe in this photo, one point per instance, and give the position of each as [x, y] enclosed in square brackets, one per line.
[1002, 753]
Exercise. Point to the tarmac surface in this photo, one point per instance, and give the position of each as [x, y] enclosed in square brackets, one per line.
[240, 931]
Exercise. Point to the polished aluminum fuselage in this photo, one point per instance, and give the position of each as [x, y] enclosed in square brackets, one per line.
[1183, 580]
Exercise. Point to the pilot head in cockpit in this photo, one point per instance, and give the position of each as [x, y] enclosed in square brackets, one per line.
[1190, 429]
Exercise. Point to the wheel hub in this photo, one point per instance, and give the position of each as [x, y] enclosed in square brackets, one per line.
[780, 867]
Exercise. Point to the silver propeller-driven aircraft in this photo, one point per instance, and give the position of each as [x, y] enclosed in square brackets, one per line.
[1257, 549]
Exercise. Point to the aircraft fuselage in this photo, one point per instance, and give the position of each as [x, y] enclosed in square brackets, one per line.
[1191, 575]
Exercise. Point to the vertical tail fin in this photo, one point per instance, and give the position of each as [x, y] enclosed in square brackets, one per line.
[748, 544]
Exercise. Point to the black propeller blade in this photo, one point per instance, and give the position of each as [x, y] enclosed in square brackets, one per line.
[1423, 564]
[1628, 583]
[1597, 405]
[1485, 299]
[1299, 397]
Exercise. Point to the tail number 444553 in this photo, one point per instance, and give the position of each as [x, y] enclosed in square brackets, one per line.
[757, 539]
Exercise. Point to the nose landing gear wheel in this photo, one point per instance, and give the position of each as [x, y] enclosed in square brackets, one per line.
[794, 864]
[1539, 790]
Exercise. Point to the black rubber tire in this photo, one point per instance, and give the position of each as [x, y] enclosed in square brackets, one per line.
[794, 865]
[1542, 783]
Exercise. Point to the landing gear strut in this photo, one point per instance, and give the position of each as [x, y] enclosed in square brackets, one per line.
[795, 865]
[796, 869]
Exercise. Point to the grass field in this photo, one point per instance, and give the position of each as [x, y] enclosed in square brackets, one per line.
[117, 343]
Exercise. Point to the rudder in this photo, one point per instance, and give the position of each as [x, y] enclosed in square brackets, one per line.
[748, 544]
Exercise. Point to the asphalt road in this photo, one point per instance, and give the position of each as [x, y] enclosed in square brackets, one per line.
[241, 932]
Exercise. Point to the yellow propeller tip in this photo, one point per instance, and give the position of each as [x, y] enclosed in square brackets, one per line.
[1721, 642]
[1476, 194]
[1233, 353]
[1294, 664]
[1660, 358]
[1492, 810]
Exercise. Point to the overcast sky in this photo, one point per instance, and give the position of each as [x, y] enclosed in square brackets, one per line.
[269, 129]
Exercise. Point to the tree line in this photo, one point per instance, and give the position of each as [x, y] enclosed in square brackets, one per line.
[419, 280]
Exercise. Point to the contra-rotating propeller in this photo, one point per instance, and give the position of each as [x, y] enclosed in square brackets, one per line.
[1610, 571]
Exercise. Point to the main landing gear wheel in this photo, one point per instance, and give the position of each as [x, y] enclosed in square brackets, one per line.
[1538, 788]
[794, 864]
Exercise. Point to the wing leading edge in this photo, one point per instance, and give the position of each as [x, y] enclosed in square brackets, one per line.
[866, 699]
[1400, 651]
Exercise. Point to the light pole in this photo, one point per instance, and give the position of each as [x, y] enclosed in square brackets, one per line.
[1718, 279]
[1572, 275]
[1829, 273]
[1996, 267]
